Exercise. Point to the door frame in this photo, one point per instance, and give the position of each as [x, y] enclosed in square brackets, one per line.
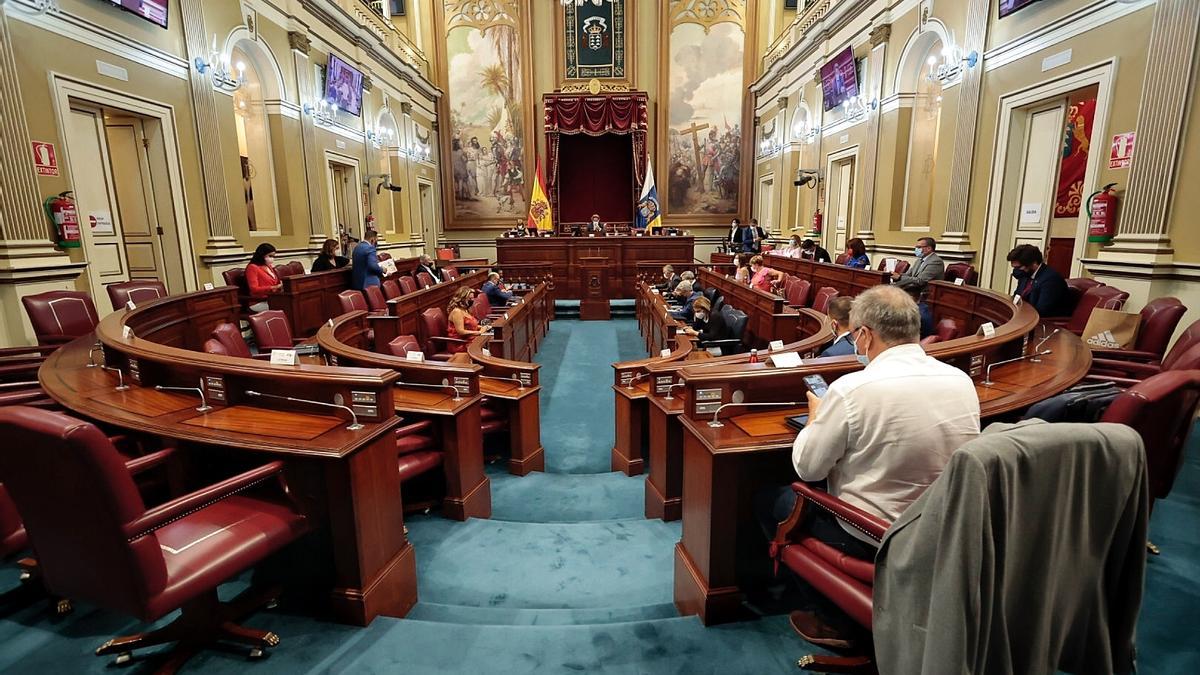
[1100, 74]
[830, 226]
[66, 88]
[353, 163]
[429, 244]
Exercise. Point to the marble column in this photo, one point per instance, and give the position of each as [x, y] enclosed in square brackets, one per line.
[870, 154]
[966, 123]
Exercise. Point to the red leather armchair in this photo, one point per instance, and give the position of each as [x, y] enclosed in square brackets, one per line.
[1106, 297]
[447, 253]
[290, 269]
[433, 331]
[946, 329]
[961, 270]
[227, 340]
[236, 277]
[391, 289]
[901, 265]
[272, 330]
[60, 316]
[424, 279]
[1156, 326]
[19, 376]
[96, 540]
[407, 284]
[824, 296]
[376, 301]
[1127, 367]
[844, 580]
[450, 272]
[140, 291]
[352, 301]
[797, 291]
[416, 450]
[841, 259]
[404, 344]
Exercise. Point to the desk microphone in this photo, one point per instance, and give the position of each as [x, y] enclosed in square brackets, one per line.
[987, 377]
[1040, 343]
[635, 378]
[716, 423]
[514, 378]
[204, 406]
[443, 385]
[121, 386]
[677, 384]
[91, 354]
[354, 425]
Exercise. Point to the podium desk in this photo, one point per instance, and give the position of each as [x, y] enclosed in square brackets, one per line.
[563, 256]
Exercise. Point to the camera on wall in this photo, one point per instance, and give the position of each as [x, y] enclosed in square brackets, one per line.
[809, 177]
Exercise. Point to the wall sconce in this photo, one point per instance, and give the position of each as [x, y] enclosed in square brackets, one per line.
[951, 64]
[217, 65]
[857, 107]
[768, 146]
[418, 151]
[380, 137]
[323, 113]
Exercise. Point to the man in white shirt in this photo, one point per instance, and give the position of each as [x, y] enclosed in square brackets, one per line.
[878, 437]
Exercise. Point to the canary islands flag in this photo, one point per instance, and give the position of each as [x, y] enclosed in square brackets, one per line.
[540, 217]
[649, 215]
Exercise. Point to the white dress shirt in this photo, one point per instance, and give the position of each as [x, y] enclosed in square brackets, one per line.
[884, 433]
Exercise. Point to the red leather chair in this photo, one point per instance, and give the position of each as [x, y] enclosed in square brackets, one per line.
[140, 291]
[1107, 297]
[384, 256]
[19, 376]
[60, 316]
[901, 265]
[1156, 325]
[96, 541]
[376, 301]
[841, 259]
[450, 272]
[416, 450]
[946, 329]
[407, 284]
[481, 307]
[1161, 409]
[236, 277]
[391, 289]
[292, 269]
[823, 297]
[433, 331]
[424, 279]
[797, 291]
[447, 253]
[227, 340]
[352, 301]
[964, 271]
[272, 330]
[1077, 286]
[404, 344]
[1127, 367]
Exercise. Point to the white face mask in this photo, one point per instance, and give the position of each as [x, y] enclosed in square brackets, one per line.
[862, 358]
[701, 316]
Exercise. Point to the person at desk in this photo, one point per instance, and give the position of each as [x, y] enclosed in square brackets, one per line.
[810, 251]
[520, 230]
[741, 271]
[670, 279]
[878, 437]
[261, 277]
[687, 296]
[706, 325]
[745, 237]
[494, 290]
[329, 258]
[839, 316]
[856, 254]
[928, 267]
[366, 270]
[1037, 283]
[594, 225]
[460, 323]
[426, 264]
[762, 277]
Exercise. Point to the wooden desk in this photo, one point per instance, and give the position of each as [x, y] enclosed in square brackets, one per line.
[768, 317]
[309, 299]
[847, 280]
[561, 257]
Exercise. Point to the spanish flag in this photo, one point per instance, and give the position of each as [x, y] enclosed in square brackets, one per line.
[540, 215]
[648, 213]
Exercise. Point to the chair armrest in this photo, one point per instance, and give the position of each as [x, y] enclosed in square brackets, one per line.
[55, 341]
[180, 507]
[144, 463]
[1119, 381]
[450, 340]
[1127, 367]
[36, 351]
[1056, 321]
[870, 525]
[32, 384]
[1124, 355]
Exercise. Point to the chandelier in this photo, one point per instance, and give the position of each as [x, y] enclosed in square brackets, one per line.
[579, 3]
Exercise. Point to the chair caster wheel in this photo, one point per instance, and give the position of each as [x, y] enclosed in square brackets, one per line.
[63, 607]
[257, 653]
[123, 658]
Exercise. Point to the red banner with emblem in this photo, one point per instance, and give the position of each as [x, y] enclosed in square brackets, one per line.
[1077, 138]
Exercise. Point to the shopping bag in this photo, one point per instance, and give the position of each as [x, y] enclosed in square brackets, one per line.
[1111, 329]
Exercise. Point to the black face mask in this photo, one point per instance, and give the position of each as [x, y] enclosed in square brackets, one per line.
[1019, 273]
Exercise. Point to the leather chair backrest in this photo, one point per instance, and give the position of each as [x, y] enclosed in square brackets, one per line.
[1077, 286]
[58, 316]
[797, 292]
[76, 497]
[214, 346]
[823, 297]
[236, 277]
[404, 344]
[271, 330]
[710, 293]
[352, 301]
[964, 271]
[1158, 320]
[407, 284]
[1107, 297]
[841, 259]
[286, 270]
[450, 272]
[900, 268]
[391, 289]
[424, 279]
[1160, 408]
[481, 306]
[736, 320]
[446, 254]
[139, 291]
[231, 340]
[1187, 340]
[375, 299]
[12, 530]
[384, 256]
[718, 304]
[947, 329]
[433, 324]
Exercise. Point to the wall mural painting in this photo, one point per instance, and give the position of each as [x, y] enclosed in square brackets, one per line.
[707, 81]
[595, 41]
[486, 94]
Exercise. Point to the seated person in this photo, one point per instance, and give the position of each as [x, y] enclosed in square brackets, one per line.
[670, 279]
[856, 254]
[878, 437]
[839, 316]
[460, 323]
[762, 277]
[792, 249]
[706, 324]
[594, 225]
[1039, 284]
[688, 275]
[494, 290]
[365, 260]
[685, 295]
[741, 272]
[810, 251]
[928, 267]
[261, 278]
[519, 231]
[426, 264]
[329, 258]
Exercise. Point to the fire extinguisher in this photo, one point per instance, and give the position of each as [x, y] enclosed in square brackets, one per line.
[818, 221]
[1102, 214]
[60, 209]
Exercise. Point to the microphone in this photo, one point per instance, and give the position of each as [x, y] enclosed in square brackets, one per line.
[444, 385]
[1039, 346]
[669, 397]
[91, 354]
[635, 378]
[987, 377]
[204, 406]
[717, 424]
[354, 425]
[121, 386]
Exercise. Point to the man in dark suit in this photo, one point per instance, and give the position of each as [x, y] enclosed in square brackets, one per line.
[670, 279]
[1037, 283]
[426, 264]
[745, 237]
[839, 316]
[810, 251]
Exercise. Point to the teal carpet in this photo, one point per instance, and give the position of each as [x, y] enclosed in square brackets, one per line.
[568, 576]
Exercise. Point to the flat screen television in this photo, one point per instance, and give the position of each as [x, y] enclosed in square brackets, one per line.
[154, 11]
[839, 79]
[343, 85]
[1009, 6]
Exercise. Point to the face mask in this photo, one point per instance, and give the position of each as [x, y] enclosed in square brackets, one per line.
[1019, 273]
[270, 260]
[862, 358]
[919, 252]
[700, 316]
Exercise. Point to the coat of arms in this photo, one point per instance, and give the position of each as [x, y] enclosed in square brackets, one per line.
[595, 30]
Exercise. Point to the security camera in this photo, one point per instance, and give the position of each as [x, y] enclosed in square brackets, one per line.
[804, 180]
[808, 177]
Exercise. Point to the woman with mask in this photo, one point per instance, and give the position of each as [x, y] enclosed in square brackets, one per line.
[261, 277]
[708, 325]
[460, 323]
[762, 277]
[329, 258]
[856, 254]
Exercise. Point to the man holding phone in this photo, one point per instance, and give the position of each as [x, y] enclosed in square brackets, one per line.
[878, 437]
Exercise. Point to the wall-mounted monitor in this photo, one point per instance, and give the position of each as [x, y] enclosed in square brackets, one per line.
[839, 79]
[154, 11]
[1009, 6]
[343, 85]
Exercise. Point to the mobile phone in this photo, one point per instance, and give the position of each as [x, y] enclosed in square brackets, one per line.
[816, 384]
[797, 422]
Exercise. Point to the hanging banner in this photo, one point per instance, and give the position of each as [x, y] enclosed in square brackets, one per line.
[1076, 143]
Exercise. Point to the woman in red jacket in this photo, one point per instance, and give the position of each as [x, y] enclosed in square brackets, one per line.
[261, 278]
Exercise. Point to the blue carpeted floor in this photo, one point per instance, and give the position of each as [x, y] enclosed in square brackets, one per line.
[568, 576]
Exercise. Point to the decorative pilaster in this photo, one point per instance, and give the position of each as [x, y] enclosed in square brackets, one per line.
[318, 229]
[966, 123]
[216, 197]
[866, 220]
[1142, 226]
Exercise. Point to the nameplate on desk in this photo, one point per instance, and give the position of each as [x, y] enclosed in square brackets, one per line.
[662, 383]
[330, 322]
[787, 360]
[417, 357]
[959, 281]
[592, 236]
[989, 330]
[283, 357]
[654, 291]
[665, 353]
[506, 316]
[127, 332]
[486, 351]
[129, 304]
[208, 286]
[775, 345]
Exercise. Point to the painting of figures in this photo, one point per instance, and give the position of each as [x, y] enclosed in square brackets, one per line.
[704, 126]
[487, 143]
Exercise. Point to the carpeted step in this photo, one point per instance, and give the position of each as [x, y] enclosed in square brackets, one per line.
[565, 498]
[504, 616]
